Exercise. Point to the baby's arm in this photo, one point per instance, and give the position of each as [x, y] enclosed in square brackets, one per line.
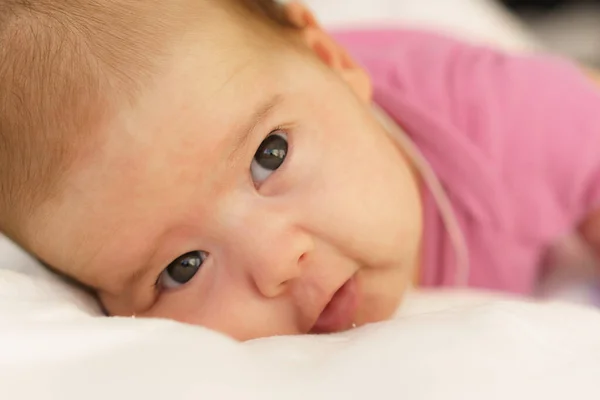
[594, 74]
[590, 229]
[532, 122]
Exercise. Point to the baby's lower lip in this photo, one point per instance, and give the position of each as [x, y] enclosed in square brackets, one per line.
[341, 310]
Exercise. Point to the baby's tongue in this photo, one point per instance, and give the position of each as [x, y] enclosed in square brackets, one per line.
[339, 314]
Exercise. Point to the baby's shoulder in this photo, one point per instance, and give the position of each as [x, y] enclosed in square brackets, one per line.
[513, 137]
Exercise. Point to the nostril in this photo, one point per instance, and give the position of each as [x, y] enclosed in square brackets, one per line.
[302, 257]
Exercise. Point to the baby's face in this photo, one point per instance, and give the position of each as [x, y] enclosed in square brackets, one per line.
[246, 188]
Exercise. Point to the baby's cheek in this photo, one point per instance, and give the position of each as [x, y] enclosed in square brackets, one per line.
[127, 303]
[241, 320]
[115, 306]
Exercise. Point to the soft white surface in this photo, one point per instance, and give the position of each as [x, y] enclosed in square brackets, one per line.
[53, 345]
[443, 346]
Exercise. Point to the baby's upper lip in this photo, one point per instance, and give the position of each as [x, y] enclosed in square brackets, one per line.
[322, 303]
[311, 307]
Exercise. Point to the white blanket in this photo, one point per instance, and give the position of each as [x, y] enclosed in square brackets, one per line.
[442, 346]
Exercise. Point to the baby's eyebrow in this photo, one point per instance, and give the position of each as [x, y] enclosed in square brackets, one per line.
[261, 113]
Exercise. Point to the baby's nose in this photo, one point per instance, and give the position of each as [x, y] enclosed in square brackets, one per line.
[273, 255]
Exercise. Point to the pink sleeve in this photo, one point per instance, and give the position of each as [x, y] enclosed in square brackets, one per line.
[537, 119]
[514, 140]
[534, 120]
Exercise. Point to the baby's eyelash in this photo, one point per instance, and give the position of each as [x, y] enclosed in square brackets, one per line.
[277, 128]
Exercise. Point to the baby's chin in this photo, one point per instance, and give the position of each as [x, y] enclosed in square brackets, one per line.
[383, 311]
[382, 303]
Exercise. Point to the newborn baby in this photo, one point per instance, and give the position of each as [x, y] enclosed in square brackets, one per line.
[230, 164]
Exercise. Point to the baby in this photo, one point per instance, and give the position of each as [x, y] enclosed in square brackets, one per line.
[227, 163]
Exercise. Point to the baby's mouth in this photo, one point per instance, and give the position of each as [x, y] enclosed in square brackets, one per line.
[339, 313]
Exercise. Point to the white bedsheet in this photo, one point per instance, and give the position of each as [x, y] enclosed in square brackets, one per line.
[443, 346]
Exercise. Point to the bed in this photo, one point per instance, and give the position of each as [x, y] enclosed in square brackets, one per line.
[55, 343]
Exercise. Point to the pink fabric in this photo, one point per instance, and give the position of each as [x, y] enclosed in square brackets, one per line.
[514, 140]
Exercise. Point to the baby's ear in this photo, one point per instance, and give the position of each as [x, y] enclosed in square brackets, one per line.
[328, 50]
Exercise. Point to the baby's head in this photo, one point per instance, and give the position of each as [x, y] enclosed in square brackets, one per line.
[210, 161]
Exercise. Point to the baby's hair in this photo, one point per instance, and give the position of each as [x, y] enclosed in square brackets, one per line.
[67, 64]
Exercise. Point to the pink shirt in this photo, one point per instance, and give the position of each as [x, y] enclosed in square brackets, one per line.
[514, 141]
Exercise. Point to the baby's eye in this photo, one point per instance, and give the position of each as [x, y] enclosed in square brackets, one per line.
[182, 270]
[269, 157]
